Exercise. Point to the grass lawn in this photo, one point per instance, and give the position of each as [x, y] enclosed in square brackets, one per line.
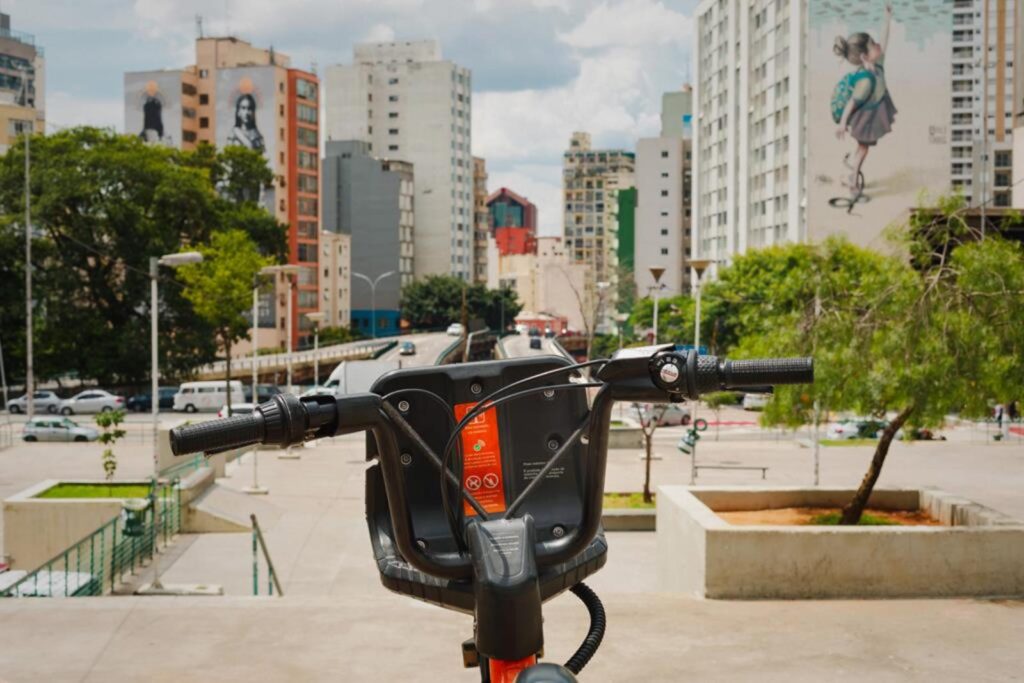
[96, 491]
[832, 519]
[848, 442]
[627, 500]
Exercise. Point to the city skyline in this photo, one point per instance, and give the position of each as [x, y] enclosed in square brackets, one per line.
[541, 69]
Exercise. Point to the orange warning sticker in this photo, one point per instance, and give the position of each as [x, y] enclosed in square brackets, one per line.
[481, 454]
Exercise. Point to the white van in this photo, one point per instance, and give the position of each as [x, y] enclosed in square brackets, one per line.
[196, 396]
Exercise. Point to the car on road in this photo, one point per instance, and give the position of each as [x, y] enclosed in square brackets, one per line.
[534, 332]
[407, 348]
[236, 409]
[455, 330]
[549, 333]
[91, 401]
[53, 428]
[535, 342]
[142, 403]
[669, 415]
[755, 401]
[42, 401]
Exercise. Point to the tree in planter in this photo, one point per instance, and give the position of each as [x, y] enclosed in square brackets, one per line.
[648, 425]
[220, 288]
[918, 338]
[109, 423]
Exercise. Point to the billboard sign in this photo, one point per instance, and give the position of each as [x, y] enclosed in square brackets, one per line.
[152, 107]
[878, 113]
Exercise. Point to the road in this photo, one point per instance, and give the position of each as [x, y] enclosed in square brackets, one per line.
[428, 348]
[518, 346]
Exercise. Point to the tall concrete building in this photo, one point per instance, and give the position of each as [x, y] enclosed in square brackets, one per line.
[676, 111]
[238, 94]
[22, 84]
[591, 180]
[372, 200]
[481, 220]
[816, 119]
[662, 237]
[406, 102]
[336, 278]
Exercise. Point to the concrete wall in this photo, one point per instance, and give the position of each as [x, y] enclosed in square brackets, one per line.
[701, 554]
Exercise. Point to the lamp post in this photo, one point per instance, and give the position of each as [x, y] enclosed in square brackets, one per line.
[316, 318]
[288, 271]
[29, 375]
[373, 294]
[171, 261]
[656, 273]
[255, 488]
[699, 266]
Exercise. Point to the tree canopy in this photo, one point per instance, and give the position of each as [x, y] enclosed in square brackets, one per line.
[436, 301]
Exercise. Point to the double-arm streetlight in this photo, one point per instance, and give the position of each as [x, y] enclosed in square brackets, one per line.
[373, 293]
[171, 261]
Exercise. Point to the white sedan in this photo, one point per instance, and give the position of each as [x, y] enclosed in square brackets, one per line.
[42, 401]
[91, 401]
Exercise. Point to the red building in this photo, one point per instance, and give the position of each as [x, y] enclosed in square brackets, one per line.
[513, 220]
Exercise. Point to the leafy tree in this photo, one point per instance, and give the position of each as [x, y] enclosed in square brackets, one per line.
[436, 301]
[649, 419]
[919, 338]
[220, 290]
[109, 422]
[102, 205]
[338, 335]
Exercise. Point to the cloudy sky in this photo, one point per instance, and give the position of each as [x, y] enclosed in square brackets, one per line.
[541, 68]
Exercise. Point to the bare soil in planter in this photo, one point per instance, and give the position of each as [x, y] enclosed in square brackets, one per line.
[810, 516]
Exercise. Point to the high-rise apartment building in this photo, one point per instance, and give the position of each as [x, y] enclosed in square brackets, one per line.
[237, 94]
[481, 220]
[816, 119]
[662, 236]
[372, 200]
[22, 84]
[408, 103]
[513, 222]
[335, 279]
[591, 180]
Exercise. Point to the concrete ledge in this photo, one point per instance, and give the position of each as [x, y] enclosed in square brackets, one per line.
[626, 519]
[980, 553]
[625, 437]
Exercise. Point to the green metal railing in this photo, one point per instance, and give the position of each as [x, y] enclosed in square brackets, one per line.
[97, 563]
[183, 469]
[257, 544]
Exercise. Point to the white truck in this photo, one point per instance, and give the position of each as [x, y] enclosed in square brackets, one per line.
[357, 376]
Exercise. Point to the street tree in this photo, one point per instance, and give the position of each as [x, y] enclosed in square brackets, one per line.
[109, 422]
[219, 288]
[436, 301]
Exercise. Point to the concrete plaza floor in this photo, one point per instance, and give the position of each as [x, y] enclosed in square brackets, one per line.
[337, 622]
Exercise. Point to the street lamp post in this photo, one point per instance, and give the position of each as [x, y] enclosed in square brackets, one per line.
[29, 375]
[656, 273]
[171, 261]
[699, 266]
[373, 294]
[316, 318]
[288, 271]
[255, 488]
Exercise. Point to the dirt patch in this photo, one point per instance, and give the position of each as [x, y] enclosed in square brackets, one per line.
[803, 516]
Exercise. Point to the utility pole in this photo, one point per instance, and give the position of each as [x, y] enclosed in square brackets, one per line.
[29, 376]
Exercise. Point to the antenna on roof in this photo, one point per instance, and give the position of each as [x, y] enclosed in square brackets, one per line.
[313, 66]
[273, 56]
[199, 25]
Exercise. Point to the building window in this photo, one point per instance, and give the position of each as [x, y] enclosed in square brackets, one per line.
[392, 98]
[204, 73]
[307, 229]
[306, 137]
[204, 122]
[664, 231]
[392, 81]
[188, 135]
[392, 114]
[306, 89]
[204, 99]
[664, 251]
[664, 193]
[664, 154]
[307, 160]
[307, 183]
[392, 131]
[307, 253]
[188, 112]
[306, 113]
[392, 148]
[307, 206]
[307, 300]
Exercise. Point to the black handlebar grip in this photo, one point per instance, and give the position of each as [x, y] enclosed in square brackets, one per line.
[751, 373]
[217, 435]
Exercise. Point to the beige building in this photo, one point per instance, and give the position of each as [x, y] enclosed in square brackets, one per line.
[546, 283]
[336, 277]
[481, 220]
[22, 84]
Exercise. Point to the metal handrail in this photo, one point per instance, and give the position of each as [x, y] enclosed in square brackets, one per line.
[298, 357]
[272, 581]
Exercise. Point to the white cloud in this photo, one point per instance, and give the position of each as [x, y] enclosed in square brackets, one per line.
[64, 110]
[380, 33]
[633, 22]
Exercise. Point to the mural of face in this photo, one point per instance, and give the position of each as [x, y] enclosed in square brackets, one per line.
[246, 115]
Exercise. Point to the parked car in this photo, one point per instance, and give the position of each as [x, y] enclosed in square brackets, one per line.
[142, 403]
[755, 401]
[91, 401]
[54, 428]
[195, 396]
[407, 349]
[669, 415]
[535, 342]
[236, 409]
[534, 332]
[455, 330]
[42, 401]
[264, 392]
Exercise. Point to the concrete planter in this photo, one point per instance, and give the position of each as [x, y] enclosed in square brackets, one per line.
[625, 437]
[979, 553]
[626, 519]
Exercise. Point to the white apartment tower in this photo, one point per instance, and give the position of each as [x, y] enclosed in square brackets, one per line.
[410, 104]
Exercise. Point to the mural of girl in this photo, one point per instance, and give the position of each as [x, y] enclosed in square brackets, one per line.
[868, 112]
[245, 132]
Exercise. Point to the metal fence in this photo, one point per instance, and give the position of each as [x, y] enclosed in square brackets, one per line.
[259, 544]
[96, 564]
